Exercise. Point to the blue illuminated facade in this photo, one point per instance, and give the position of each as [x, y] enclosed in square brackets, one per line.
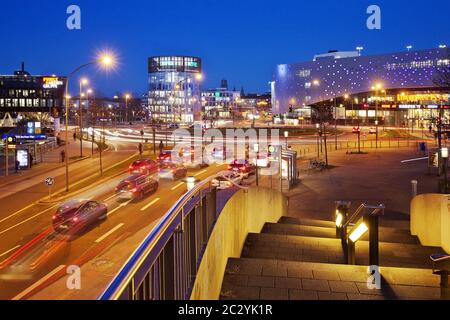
[350, 78]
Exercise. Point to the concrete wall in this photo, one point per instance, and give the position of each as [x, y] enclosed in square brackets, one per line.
[246, 212]
[430, 220]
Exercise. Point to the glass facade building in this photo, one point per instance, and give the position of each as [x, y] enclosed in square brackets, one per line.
[174, 94]
[398, 86]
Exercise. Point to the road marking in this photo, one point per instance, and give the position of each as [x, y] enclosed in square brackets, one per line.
[38, 283]
[150, 204]
[107, 199]
[177, 186]
[121, 206]
[25, 221]
[9, 251]
[106, 235]
[412, 160]
[200, 173]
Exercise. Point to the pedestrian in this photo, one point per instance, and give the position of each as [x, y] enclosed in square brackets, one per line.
[17, 166]
[141, 148]
[161, 146]
[74, 137]
[31, 160]
[63, 156]
[430, 128]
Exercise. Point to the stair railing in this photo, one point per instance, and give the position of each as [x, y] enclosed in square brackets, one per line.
[365, 218]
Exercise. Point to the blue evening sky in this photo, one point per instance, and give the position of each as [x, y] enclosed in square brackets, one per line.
[240, 40]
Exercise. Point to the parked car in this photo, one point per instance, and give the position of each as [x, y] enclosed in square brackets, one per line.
[243, 166]
[145, 166]
[173, 126]
[75, 215]
[136, 187]
[172, 171]
[227, 180]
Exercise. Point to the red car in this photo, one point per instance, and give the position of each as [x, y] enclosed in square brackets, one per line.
[244, 167]
[78, 214]
[356, 130]
[144, 166]
[164, 156]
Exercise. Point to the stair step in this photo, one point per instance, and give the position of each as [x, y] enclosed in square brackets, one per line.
[328, 250]
[256, 279]
[385, 234]
[385, 226]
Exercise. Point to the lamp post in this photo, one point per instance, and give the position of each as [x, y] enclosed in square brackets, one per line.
[83, 82]
[286, 136]
[318, 140]
[444, 156]
[376, 88]
[104, 60]
[127, 97]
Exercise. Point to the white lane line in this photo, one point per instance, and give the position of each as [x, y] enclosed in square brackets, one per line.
[177, 186]
[25, 221]
[121, 206]
[412, 160]
[9, 251]
[109, 198]
[200, 173]
[38, 283]
[106, 235]
[150, 204]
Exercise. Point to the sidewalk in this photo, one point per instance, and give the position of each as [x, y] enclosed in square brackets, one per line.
[52, 161]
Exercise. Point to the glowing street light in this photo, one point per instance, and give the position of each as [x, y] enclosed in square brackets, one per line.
[409, 47]
[359, 49]
[105, 60]
[442, 46]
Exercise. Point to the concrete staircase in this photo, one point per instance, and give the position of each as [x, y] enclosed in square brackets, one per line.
[302, 259]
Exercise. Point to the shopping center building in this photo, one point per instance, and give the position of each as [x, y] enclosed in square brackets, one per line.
[174, 94]
[407, 88]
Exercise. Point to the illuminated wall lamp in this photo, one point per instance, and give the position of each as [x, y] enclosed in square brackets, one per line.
[358, 232]
[339, 219]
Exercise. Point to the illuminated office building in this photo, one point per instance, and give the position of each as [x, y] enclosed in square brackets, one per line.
[174, 94]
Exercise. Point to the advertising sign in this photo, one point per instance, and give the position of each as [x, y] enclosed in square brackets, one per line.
[22, 157]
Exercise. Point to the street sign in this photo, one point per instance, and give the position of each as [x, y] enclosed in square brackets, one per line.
[49, 182]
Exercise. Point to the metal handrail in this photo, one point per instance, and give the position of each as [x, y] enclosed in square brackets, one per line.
[120, 282]
[354, 216]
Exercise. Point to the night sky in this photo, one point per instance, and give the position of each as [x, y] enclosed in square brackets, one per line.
[240, 40]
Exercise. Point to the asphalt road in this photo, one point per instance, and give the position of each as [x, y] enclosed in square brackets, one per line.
[30, 250]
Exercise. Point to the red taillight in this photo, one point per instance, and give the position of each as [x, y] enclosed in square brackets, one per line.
[75, 219]
[242, 168]
[134, 190]
[54, 217]
[230, 167]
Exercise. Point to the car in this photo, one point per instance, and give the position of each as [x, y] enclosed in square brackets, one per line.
[243, 166]
[136, 187]
[356, 130]
[173, 126]
[172, 171]
[164, 156]
[145, 166]
[372, 130]
[227, 180]
[76, 215]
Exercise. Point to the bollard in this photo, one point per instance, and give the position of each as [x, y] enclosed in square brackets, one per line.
[351, 259]
[445, 290]
[414, 188]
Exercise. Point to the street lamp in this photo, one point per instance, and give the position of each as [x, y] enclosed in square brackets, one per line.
[377, 87]
[286, 136]
[106, 61]
[444, 155]
[318, 140]
[83, 82]
[409, 47]
[127, 97]
[359, 49]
